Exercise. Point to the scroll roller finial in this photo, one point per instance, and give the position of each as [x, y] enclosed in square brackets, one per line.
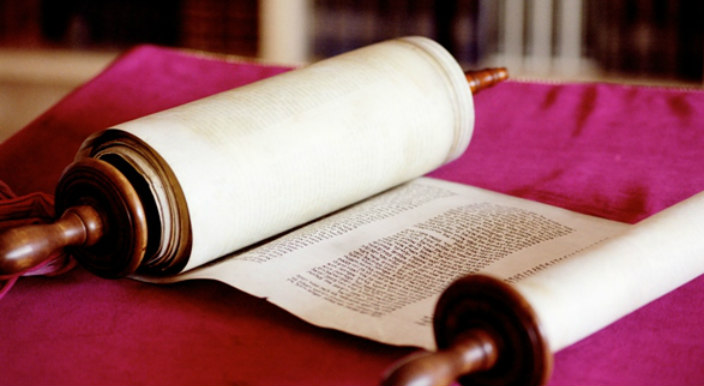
[487, 334]
[102, 221]
[25, 247]
[474, 351]
[483, 79]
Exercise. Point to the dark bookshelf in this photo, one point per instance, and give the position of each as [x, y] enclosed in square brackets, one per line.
[643, 38]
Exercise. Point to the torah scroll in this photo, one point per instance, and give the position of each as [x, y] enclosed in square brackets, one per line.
[247, 164]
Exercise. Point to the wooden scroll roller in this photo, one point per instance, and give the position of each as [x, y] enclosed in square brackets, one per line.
[102, 222]
[109, 220]
[486, 334]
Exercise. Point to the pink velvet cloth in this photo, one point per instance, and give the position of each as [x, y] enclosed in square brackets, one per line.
[614, 151]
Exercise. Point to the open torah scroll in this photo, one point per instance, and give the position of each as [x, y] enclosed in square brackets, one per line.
[250, 165]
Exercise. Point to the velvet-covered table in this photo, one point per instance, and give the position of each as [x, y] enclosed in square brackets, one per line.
[620, 152]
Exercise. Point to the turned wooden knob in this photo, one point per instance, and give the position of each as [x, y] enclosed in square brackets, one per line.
[483, 79]
[475, 351]
[25, 247]
[486, 334]
[102, 224]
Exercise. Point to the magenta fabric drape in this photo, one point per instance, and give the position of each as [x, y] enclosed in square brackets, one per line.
[621, 152]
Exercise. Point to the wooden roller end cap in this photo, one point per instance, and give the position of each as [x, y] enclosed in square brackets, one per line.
[483, 79]
[100, 185]
[25, 247]
[486, 334]
[102, 224]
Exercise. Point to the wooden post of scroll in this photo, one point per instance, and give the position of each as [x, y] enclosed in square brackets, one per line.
[102, 216]
[486, 334]
[107, 215]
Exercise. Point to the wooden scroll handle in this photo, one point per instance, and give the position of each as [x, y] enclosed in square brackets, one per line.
[483, 79]
[102, 222]
[25, 247]
[486, 334]
[474, 351]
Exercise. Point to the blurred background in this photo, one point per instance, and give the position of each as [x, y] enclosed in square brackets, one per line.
[48, 47]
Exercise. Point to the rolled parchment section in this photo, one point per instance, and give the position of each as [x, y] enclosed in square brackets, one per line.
[264, 158]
